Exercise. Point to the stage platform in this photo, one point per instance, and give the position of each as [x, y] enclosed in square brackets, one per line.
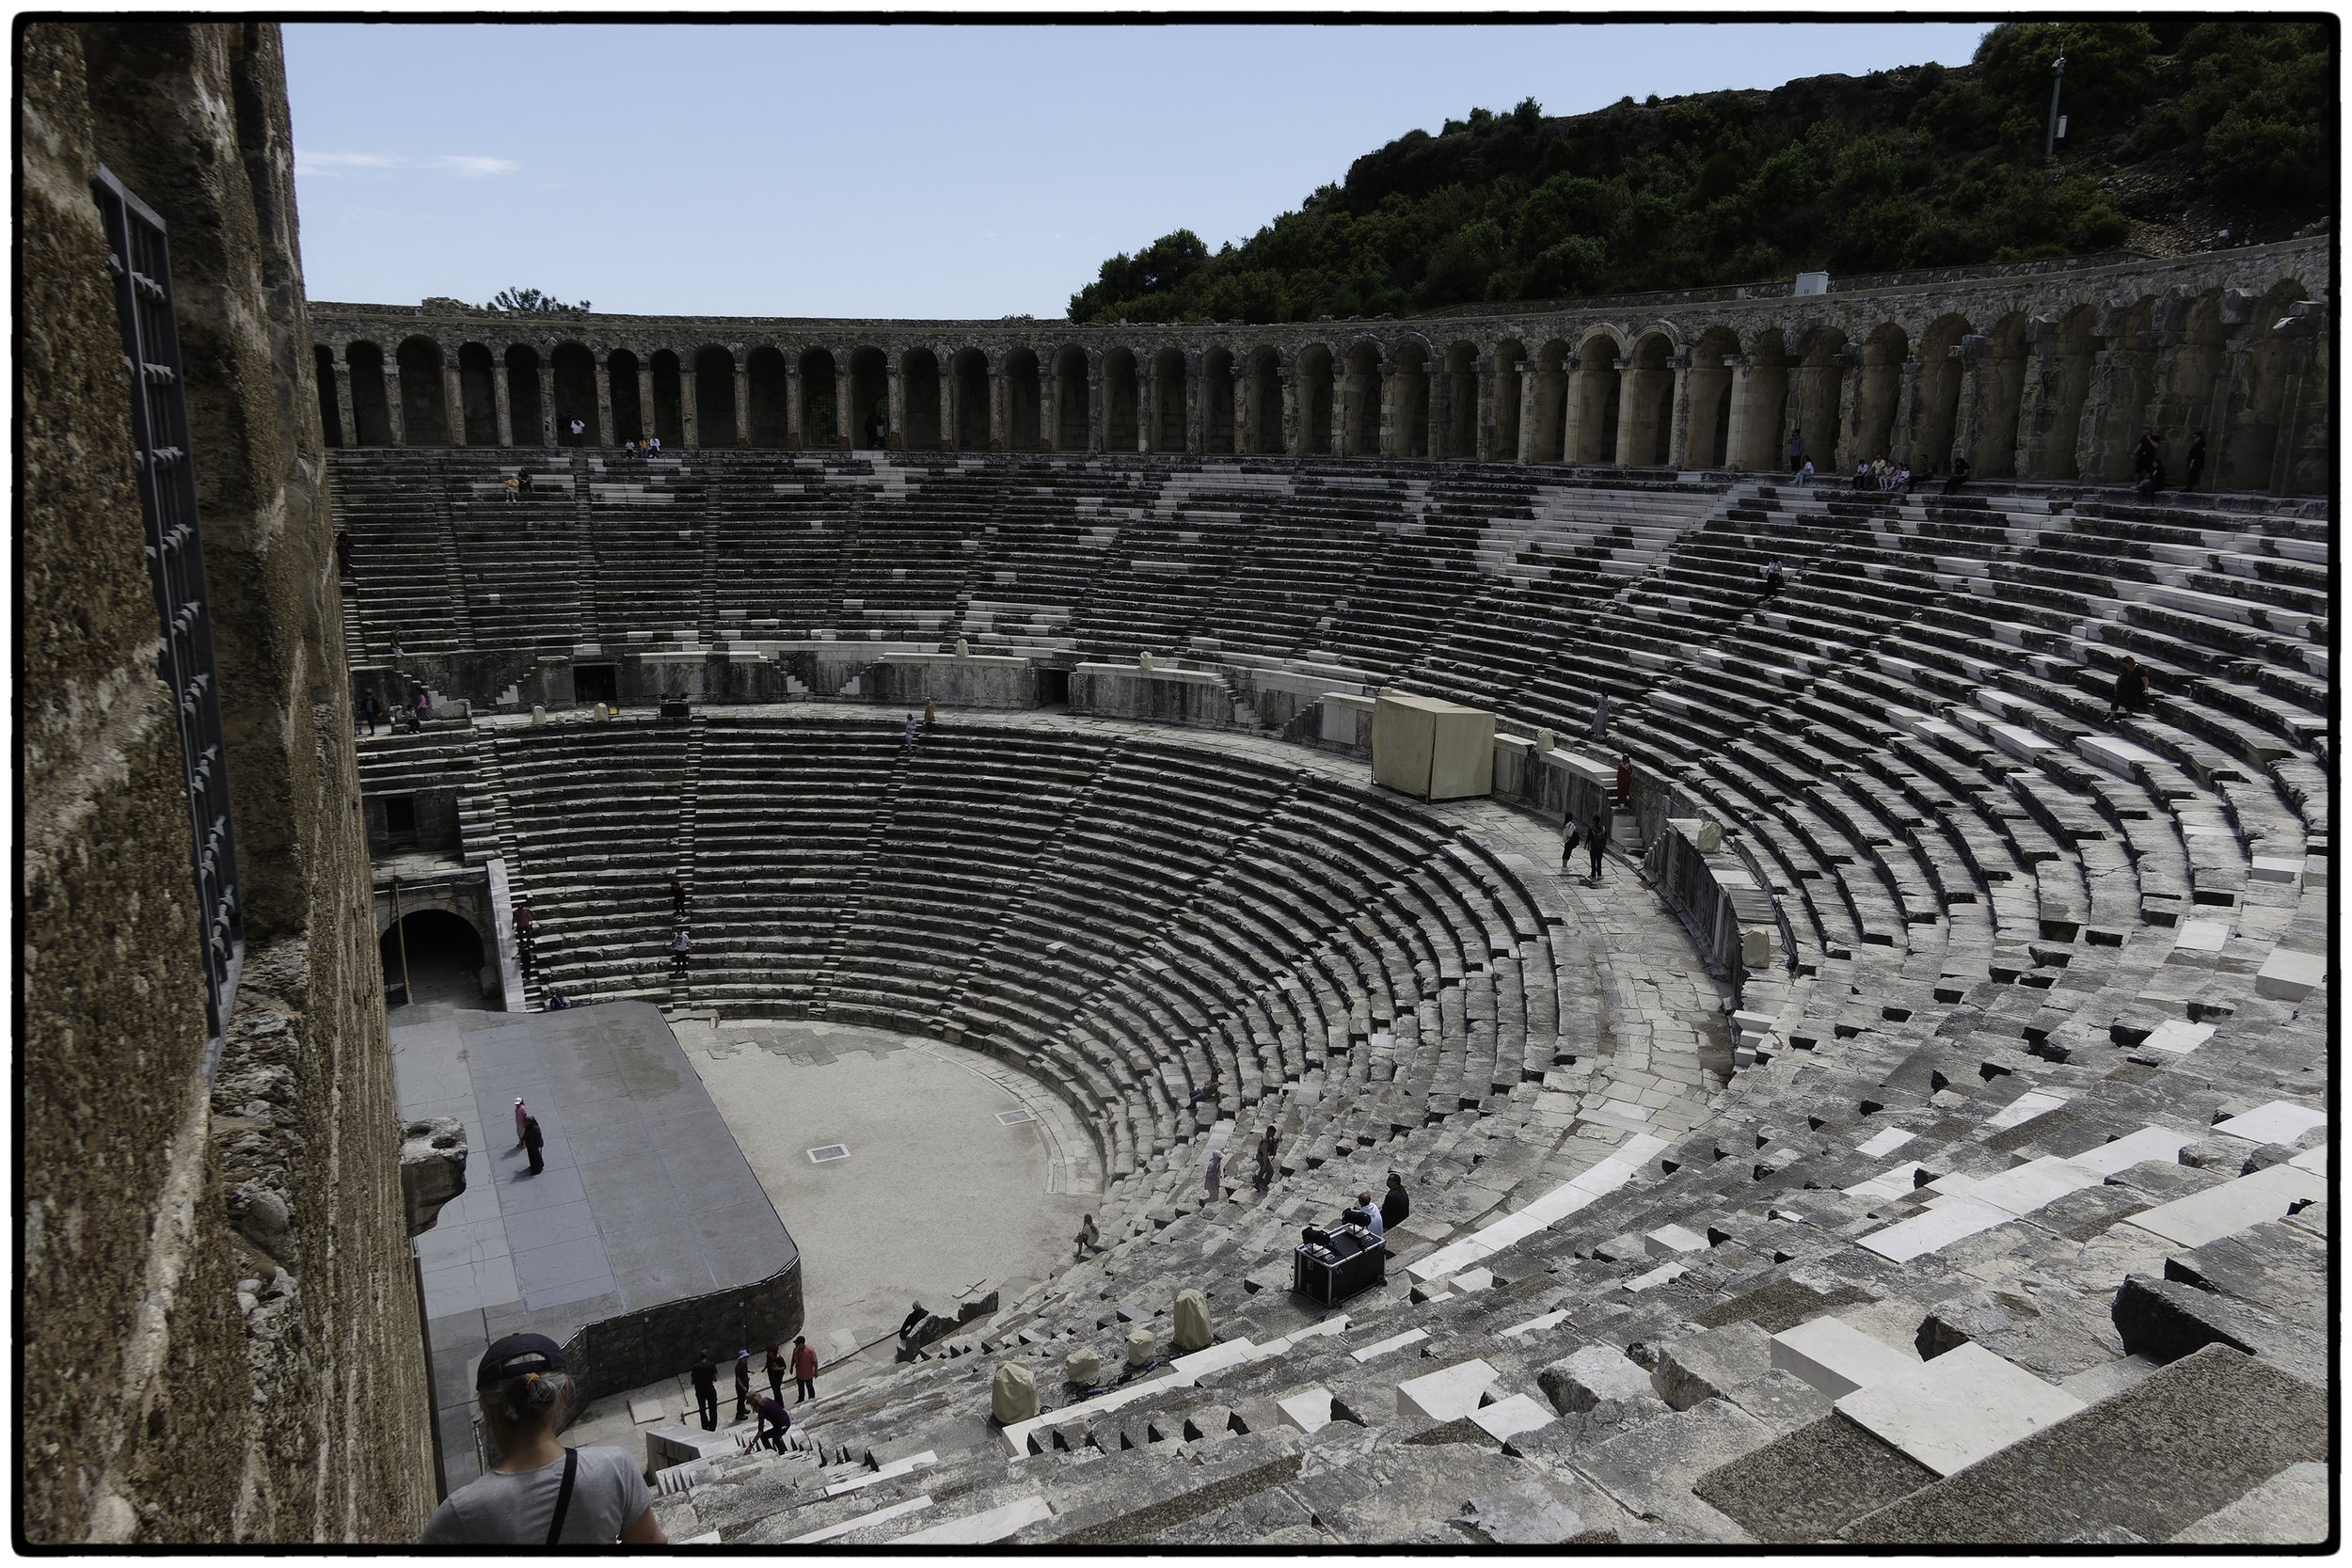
[646, 1239]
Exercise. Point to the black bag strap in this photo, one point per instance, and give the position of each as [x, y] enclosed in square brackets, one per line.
[564, 1495]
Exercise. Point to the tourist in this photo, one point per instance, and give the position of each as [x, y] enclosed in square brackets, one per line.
[1262, 1177]
[2194, 468]
[513, 485]
[1396, 1203]
[369, 710]
[2153, 480]
[1768, 577]
[677, 894]
[540, 1493]
[1595, 844]
[1212, 1178]
[930, 714]
[911, 731]
[522, 1117]
[1797, 463]
[704, 1375]
[774, 1366]
[2131, 690]
[398, 654]
[1959, 475]
[342, 553]
[679, 944]
[1366, 1213]
[2144, 455]
[629, 449]
[578, 429]
[743, 1383]
[653, 446]
[1862, 476]
[1600, 719]
[1089, 1238]
[775, 1421]
[1804, 473]
[913, 1320]
[1625, 763]
[1205, 1091]
[1918, 476]
[803, 1368]
[1571, 834]
[535, 1142]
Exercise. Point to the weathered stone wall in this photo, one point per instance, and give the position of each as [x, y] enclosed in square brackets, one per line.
[163, 1401]
[2041, 371]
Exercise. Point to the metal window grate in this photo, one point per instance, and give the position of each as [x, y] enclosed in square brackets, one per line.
[141, 263]
[828, 1153]
[1014, 1118]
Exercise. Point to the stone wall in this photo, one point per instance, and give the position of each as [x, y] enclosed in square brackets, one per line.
[220, 1340]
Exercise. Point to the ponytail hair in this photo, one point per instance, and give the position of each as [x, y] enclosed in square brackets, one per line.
[530, 1400]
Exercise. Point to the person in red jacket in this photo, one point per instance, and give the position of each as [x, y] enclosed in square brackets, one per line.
[1625, 780]
[803, 1368]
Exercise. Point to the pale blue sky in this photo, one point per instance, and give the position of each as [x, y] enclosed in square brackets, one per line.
[956, 171]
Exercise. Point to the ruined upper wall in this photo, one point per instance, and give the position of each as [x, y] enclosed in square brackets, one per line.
[221, 1341]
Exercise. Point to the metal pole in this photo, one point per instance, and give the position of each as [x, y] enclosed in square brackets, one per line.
[407, 993]
[2058, 79]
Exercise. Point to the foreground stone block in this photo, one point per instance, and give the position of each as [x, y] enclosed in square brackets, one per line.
[1577, 1383]
[2165, 1322]
[2288, 1510]
[2232, 1207]
[1810, 1484]
[1446, 1395]
[1521, 1515]
[1506, 1418]
[432, 1169]
[1705, 1366]
[1953, 1411]
[1837, 1357]
[2287, 975]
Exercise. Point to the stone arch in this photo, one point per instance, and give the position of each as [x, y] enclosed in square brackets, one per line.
[1594, 437]
[767, 393]
[2057, 381]
[624, 393]
[435, 940]
[918, 396]
[714, 396]
[1646, 415]
[821, 399]
[1024, 405]
[1313, 376]
[2190, 384]
[1074, 392]
[423, 403]
[572, 370]
[477, 395]
[371, 403]
[1408, 398]
[1170, 396]
[525, 407]
[2122, 381]
[1819, 387]
[2259, 400]
[1758, 440]
[2001, 394]
[1504, 372]
[1360, 402]
[968, 373]
[1935, 420]
[1217, 396]
[330, 417]
[869, 398]
[1880, 392]
[1461, 388]
[1548, 433]
[1261, 402]
[1120, 432]
[1708, 442]
[669, 398]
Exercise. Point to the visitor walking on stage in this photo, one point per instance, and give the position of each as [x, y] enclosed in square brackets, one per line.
[803, 1367]
[743, 1383]
[1571, 834]
[1596, 844]
[775, 1421]
[774, 1366]
[911, 731]
[522, 1119]
[704, 1375]
[535, 1142]
[540, 1493]
[2195, 468]
[370, 711]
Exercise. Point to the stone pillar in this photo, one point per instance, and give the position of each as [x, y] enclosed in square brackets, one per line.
[1440, 409]
[394, 415]
[1293, 436]
[547, 394]
[744, 402]
[1527, 411]
[2035, 440]
[1901, 437]
[946, 401]
[453, 401]
[1098, 402]
[999, 415]
[1679, 438]
[792, 399]
[1196, 406]
[1239, 371]
[645, 399]
[689, 434]
[1147, 409]
[1968, 414]
[844, 394]
[1571, 405]
[1743, 370]
[1048, 407]
[343, 404]
[1484, 370]
[499, 400]
[604, 398]
[1626, 402]
[1848, 452]
[1391, 441]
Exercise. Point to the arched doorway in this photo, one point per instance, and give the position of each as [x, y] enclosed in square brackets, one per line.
[970, 370]
[1759, 416]
[1940, 375]
[1547, 432]
[1119, 401]
[1314, 401]
[669, 400]
[330, 417]
[869, 399]
[820, 418]
[423, 403]
[442, 956]
[1024, 402]
[2260, 417]
[767, 422]
[1409, 436]
[919, 381]
[1509, 355]
[1171, 396]
[1359, 433]
[1261, 402]
[714, 396]
[526, 413]
[477, 390]
[1646, 423]
[1461, 429]
[1217, 391]
[574, 372]
[1074, 415]
[622, 393]
[371, 410]
[1594, 438]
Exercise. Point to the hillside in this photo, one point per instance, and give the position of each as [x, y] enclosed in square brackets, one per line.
[2178, 131]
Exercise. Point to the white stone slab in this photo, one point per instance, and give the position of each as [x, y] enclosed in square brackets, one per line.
[1332, 1324]
[2233, 1206]
[1888, 1185]
[2201, 935]
[1837, 1357]
[1656, 1277]
[1308, 1410]
[647, 1407]
[1964, 1405]
[1215, 1358]
[891, 1471]
[1471, 1281]
[2275, 869]
[2178, 1036]
[2027, 1106]
[1669, 1241]
[2021, 1189]
[2281, 1121]
[1938, 1228]
[1880, 1143]
[1507, 1418]
[912, 1505]
[2287, 975]
[2117, 757]
[1398, 1342]
[2312, 1160]
[1537, 1325]
[979, 1530]
[1447, 1394]
[2134, 1148]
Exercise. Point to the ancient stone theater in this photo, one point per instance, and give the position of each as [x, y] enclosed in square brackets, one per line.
[1309, 936]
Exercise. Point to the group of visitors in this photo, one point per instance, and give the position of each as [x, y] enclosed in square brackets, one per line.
[2147, 462]
[774, 1421]
[635, 451]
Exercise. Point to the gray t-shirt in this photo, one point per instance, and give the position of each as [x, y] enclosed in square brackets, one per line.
[499, 1510]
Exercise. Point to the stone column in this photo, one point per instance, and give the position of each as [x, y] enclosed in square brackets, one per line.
[1850, 452]
[893, 378]
[2034, 413]
[1440, 409]
[1527, 411]
[453, 401]
[1239, 371]
[603, 397]
[744, 402]
[1147, 409]
[1483, 368]
[393, 414]
[689, 434]
[343, 404]
[1901, 439]
[1048, 406]
[1196, 406]
[1968, 414]
[1388, 441]
[645, 399]
[1626, 404]
[1293, 435]
[946, 401]
[999, 415]
[844, 393]
[1744, 370]
[1571, 405]
[792, 399]
[1098, 403]
[499, 400]
[1679, 438]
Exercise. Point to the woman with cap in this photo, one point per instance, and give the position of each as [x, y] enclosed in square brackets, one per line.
[540, 1493]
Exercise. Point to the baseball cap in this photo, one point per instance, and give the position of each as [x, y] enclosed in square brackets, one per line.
[515, 1355]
